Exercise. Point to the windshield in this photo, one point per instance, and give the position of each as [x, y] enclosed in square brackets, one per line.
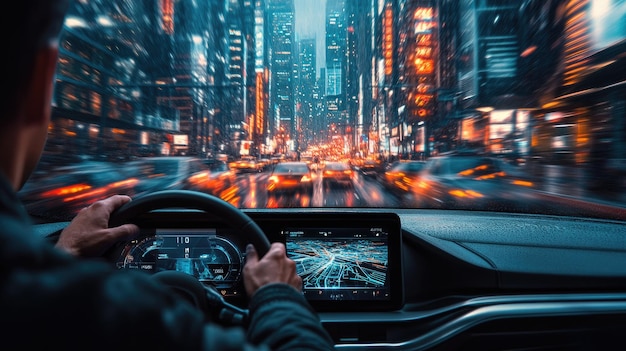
[493, 105]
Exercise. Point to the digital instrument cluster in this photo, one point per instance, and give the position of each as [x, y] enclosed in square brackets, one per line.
[198, 252]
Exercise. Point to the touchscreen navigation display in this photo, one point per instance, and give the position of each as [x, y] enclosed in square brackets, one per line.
[348, 264]
[341, 263]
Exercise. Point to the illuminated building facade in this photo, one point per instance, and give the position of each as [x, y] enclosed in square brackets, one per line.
[139, 105]
[336, 46]
[280, 52]
[582, 121]
[304, 92]
[417, 81]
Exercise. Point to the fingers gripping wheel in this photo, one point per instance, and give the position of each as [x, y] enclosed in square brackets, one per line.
[187, 199]
[204, 297]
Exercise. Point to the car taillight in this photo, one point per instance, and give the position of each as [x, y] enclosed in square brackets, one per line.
[125, 182]
[422, 184]
[465, 193]
[305, 179]
[271, 182]
[522, 182]
[491, 175]
[67, 190]
[86, 195]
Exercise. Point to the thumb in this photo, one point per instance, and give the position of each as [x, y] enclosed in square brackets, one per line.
[251, 254]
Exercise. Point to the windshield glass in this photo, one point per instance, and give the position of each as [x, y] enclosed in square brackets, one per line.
[497, 105]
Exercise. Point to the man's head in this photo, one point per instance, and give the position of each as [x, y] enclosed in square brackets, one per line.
[30, 44]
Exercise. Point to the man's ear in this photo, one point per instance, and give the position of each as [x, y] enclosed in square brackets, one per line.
[37, 99]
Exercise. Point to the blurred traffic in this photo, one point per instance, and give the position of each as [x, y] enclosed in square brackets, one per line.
[454, 180]
[401, 176]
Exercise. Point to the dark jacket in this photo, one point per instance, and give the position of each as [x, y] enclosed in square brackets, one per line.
[49, 298]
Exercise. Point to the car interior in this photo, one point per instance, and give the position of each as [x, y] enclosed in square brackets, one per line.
[540, 265]
[419, 279]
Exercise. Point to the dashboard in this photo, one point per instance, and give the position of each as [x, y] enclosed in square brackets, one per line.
[418, 279]
[347, 262]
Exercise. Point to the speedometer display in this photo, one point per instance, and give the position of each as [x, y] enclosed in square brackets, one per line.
[200, 253]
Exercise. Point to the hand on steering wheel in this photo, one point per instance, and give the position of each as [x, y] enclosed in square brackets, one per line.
[187, 199]
[207, 298]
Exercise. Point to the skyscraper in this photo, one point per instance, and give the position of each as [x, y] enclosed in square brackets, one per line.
[304, 90]
[336, 46]
[280, 53]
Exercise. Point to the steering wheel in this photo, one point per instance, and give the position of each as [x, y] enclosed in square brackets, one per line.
[187, 199]
[205, 297]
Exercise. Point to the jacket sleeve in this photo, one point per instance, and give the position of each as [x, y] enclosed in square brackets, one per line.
[282, 319]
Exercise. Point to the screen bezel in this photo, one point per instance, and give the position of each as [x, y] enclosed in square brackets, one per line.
[390, 222]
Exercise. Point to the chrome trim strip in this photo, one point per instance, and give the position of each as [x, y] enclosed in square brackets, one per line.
[408, 313]
[494, 312]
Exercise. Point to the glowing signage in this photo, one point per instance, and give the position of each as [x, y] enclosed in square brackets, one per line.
[258, 39]
[167, 16]
[423, 13]
[260, 106]
[424, 88]
[424, 66]
[423, 100]
[388, 40]
[423, 39]
[424, 27]
[424, 51]
[181, 139]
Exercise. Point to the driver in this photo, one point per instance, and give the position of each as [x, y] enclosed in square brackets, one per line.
[49, 297]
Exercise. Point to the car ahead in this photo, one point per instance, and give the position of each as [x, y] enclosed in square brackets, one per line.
[473, 254]
[461, 180]
[337, 174]
[164, 172]
[247, 164]
[219, 180]
[370, 167]
[290, 178]
[402, 176]
[66, 190]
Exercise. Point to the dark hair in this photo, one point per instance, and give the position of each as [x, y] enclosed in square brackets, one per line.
[29, 26]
